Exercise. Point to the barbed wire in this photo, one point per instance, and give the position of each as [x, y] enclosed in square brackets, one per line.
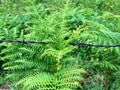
[24, 41]
[82, 44]
[95, 45]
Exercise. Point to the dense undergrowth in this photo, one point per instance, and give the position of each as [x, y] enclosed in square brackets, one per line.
[59, 65]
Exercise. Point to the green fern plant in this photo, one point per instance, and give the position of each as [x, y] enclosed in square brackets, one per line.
[42, 67]
[87, 27]
[117, 81]
[96, 60]
[59, 65]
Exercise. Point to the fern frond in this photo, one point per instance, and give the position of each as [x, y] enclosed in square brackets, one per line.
[67, 76]
[37, 81]
[108, 65]
[117, 81]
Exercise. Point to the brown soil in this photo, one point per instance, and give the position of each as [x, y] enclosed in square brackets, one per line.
[5, 87]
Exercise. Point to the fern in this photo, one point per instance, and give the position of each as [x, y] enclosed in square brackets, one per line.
[58, 65]
[117, 81]
[44, 67]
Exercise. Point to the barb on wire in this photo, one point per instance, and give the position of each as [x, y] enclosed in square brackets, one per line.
[82, 44]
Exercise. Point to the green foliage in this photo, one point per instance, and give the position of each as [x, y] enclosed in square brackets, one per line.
[117, 81]
[59, 65]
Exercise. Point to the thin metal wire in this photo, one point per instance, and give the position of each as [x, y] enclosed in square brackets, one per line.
[81, 44]
[24, 41]
[95, 45]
